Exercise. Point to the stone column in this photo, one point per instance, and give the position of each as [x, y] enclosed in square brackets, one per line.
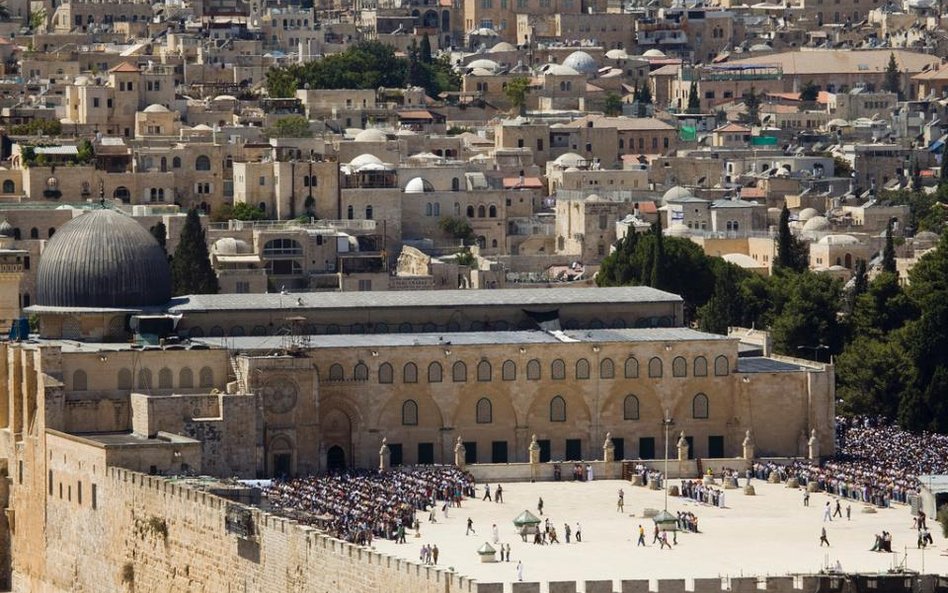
[609, 455]
[682, 448]
[534, 451]
[385, 456]
[748, 447]
[813, 448]
[802, 444]
[460, 453]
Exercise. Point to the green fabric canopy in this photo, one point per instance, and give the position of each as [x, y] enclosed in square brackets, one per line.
[526, 518]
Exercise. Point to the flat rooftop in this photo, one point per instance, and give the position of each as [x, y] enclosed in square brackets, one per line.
[771, 533]
[516, 297]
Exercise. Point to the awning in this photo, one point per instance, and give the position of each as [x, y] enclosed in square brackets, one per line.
[526, 518]
[938, 145]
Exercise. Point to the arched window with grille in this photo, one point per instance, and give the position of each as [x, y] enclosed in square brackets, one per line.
[582, 369]
[459, 372]
[435, 372]
[630, 408]
[699, 407]
[655, 368]
[385, 373]
[202, 163]
[701, 367]
[185, 378]
[410, 373]
[483, 371]
[360, 372]
[631, 368]
[165, 378]
[533, 370]
[80, 381]
[558, 409]
[721, 366]
[509, 370]
[484, 411]
[144, 379]
[206, 377]
[336, 373]
[410, 413]
[679, 367]
[558, 370]
[607, 369]
[124, 379]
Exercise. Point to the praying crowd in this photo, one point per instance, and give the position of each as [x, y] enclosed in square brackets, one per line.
[357, 506]
[876, 462]
[697, 491]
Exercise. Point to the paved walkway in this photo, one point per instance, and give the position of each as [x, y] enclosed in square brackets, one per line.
[768, 534]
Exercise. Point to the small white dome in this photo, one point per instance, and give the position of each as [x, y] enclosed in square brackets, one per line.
[569, 159]
[594, 198]
[839, 240]
[806, 214]
[370, 135]
[926, 236]
[230, 246]
[617, 54]
[373, 167]
[677, 193]
[81, 81]
[760, 47]
[741, 259]
[365, 159]
[817, 223]
[501, 47]
[581, 62]
[559, 70]
[156, 108]
[654, 53]
[481, 72]
[417, 185]
[489, 65]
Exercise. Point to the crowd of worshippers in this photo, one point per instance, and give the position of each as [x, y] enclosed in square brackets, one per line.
[687, 521]
[648, 475]
[697, 491]
[875, 462]
[358, 506]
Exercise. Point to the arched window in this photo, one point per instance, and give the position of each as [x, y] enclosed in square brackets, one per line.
[558, 369]
[434, 372]
[607, 369]
[533, 370]
[368, 212]
[459, 372]
[410, 373]
[470, 211]
[206, 377]
[558, 409]
[699, 406]
[34, 233]
[484, 412]
[386, 373]
[360, 372]
[509, 371]
[176, 162]
[492, 211]
[410, 413]
[125, 379]
[701, 367]
[165, 378]
[8, 186]
[680, 367]
[582, 369]
[655, 368]
[630, 408]
[428, 209]
[202, 163]
[484, 371]
[282, 247]
[631, 368]
[80, 381]
[481, 212]
[121, 193]
[336, 373]
[185, 378]
[721, 366]
[455, 184]
[350, 213]
[144, 379]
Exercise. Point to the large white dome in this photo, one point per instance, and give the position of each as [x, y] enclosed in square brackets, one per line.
[365, 159]
[817, 223]
[417, 185]
[580, 61]
[371, 135]
[677, 193]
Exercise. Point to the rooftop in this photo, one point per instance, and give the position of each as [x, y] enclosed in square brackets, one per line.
[827, 62]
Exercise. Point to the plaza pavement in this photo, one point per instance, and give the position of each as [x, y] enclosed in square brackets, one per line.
[771, 533]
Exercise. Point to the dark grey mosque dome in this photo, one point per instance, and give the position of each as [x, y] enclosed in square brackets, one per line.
[103, 259]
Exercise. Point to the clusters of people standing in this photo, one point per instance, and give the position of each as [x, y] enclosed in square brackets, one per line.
[697, 491]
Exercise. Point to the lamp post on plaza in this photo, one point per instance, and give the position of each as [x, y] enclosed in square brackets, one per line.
[666, 422]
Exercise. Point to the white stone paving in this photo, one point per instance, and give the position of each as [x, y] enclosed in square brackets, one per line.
[768, 534]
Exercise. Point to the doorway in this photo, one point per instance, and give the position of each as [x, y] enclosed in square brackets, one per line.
[647, 448]
[335, 459]
[716, 447]
[282, 464]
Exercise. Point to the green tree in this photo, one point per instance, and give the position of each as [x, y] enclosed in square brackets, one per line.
[694, 102]
[859, 287]
[191, 271]
[85, 152]
[643, 98]
[752, 102]
[516, 93]
[657, 272]
[424, 52]
[457, 228]
[892, 82]
[810, 92]
[888, 252]
[160, 233]
[882, 309]
[291, 126]
[809, 315]
[613, 105]
[725, 308]
[871, 375]
[791, 252]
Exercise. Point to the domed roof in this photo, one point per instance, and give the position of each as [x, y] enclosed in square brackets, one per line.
[230, 246]
[676, 193]
[481, 72]
[581, 62]
[6, 229]
[417, 185]
[654, 53]
[559, 70]
[594, 198]
[489, 65]
[156, 108]
[501, 47]
[741, 259]
[839, 240]
[922, 236]
[617, 54]
[370, 135]
[807, 213]
[817, 223]
[760, 47]
[569, 159]
[365, 159]
[103, 259]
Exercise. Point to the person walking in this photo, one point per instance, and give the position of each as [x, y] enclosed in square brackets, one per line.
[567, 531]
[508, 552]
[499, 494]
[806, 498]
[663, 541]
[519, 570]
[579, 532]
[434, 553]
[540, 506]
[486, 492]
[823, 539]
[838, 511]
[495, 533]
[849, 512]
[827, 513]
[641, 536]
[620, 504]
[470, 527]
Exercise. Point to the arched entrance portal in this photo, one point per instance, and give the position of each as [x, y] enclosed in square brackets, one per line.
[335, 459]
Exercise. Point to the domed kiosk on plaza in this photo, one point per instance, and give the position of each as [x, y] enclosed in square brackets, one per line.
[97, 269]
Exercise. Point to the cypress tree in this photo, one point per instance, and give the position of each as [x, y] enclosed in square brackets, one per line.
[657, 276]
[425, 50]
[160, 233]
[888, 253]
[191, 271]
[694, 102]
[787, 249]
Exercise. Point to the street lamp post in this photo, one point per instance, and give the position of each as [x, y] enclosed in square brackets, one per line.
[666, 421]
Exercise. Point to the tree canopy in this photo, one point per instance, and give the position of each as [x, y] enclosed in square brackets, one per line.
[191, 271]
